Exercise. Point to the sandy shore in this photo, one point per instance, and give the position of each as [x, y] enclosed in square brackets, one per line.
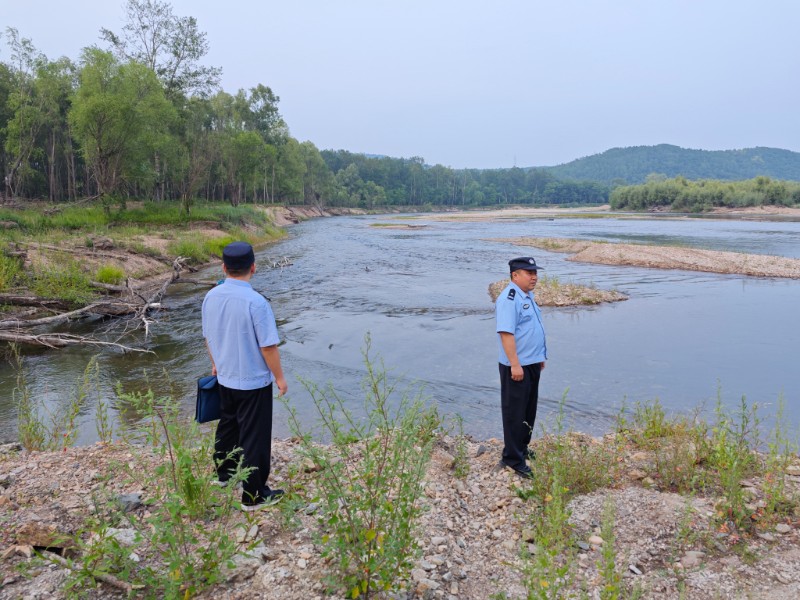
[668, 257]
[544, 212]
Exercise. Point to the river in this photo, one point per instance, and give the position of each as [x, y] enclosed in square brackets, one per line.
[683, 337]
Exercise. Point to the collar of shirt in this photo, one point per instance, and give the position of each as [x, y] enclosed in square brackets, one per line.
[236, 282]
[519, 289]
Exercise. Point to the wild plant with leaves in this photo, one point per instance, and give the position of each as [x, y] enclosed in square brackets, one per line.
[370, 480]
[185, 538]
[43, 428]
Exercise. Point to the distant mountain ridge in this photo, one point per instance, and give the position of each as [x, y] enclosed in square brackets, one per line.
[632, 165]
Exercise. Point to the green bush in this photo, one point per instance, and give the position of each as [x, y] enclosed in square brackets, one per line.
[65, 280]
[110, 274]
[369, 489]
[214, 246]
[9, 271]
[188, 533]
[38, 426]
[192, 249]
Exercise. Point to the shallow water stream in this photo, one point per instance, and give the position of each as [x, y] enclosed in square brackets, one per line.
[422, 295]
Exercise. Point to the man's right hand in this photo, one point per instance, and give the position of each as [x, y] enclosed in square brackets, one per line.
[282, 386]
[517, 374]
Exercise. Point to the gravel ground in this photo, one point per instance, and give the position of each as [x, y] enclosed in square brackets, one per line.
[471, 535]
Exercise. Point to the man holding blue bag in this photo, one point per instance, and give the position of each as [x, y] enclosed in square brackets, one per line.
[242, 341]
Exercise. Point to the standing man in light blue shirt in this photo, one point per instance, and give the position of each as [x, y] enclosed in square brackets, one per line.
[242, 341]
[523, 352]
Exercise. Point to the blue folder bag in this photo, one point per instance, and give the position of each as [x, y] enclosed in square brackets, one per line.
[208, 400]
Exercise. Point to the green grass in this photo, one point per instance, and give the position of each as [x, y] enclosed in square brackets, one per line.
[110, 274]
[65, 280]
[9, 271]
[169, 214]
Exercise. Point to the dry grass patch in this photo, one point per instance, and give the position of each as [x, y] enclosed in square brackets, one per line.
[551, 292]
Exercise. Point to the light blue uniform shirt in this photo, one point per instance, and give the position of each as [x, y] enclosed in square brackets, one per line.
[237, 323]
[517, 313]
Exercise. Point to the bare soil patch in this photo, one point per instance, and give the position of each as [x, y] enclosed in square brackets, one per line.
[669, 257]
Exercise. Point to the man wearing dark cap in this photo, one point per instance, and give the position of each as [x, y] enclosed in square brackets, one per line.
[242, 341]
[523, 352]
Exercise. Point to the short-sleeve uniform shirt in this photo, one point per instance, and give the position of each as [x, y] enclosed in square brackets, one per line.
[237, 323]
[517, 313]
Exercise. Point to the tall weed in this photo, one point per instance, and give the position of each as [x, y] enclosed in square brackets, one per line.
[64, 279]
[38, 426]
[186, 537]
[370, 481]
[9, 271]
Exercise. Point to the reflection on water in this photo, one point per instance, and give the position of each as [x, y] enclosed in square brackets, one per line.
[423, 297]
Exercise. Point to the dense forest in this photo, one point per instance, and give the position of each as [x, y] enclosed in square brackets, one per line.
[620, 166]
[145, 118]
[681, 194]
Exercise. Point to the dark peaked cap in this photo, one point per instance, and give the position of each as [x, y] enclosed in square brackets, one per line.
[527, 263]
[238, 256]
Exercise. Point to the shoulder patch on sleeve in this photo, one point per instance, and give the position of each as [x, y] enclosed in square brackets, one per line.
[511, 293]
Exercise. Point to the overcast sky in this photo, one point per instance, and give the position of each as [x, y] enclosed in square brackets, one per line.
[489, 84]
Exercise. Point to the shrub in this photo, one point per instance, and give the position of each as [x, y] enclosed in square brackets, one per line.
[38, 426]
[9, 271]
[187, 534]
[194, 250]
[65, 280]
[369, 490]
[215, 246]
[110, 274]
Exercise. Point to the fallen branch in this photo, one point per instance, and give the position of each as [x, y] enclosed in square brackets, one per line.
[21, 300]
[104, 577]
[61, 340]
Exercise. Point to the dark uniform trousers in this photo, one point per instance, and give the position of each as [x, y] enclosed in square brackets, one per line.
[245, 422]
[518, 401]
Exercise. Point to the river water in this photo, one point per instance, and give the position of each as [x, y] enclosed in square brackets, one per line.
[682, 337]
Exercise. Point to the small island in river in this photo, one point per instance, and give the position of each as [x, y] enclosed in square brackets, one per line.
[551, 292]
[667, 257]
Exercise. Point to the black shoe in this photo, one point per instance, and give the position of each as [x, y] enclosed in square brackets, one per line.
[267, 498]
[522, 470]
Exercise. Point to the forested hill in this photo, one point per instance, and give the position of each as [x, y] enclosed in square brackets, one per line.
[633, 165]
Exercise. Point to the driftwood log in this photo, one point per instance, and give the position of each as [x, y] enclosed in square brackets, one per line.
[136, 301]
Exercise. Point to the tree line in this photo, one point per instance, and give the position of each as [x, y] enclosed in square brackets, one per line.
[374, 180]
[144, 118]
[681, 194]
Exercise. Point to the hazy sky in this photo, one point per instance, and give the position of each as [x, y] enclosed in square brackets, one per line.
[489, 84]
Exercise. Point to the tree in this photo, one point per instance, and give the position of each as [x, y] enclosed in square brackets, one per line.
[24, 104]
[317, 180]
[6, 89]
[55, 84]
[118, 112]
[170, 46]
[290, 170]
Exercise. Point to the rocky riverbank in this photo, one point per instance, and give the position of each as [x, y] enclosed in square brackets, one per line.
[477, 535]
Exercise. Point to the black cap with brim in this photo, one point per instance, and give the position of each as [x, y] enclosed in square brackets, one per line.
[238, 256]
[526, 263]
